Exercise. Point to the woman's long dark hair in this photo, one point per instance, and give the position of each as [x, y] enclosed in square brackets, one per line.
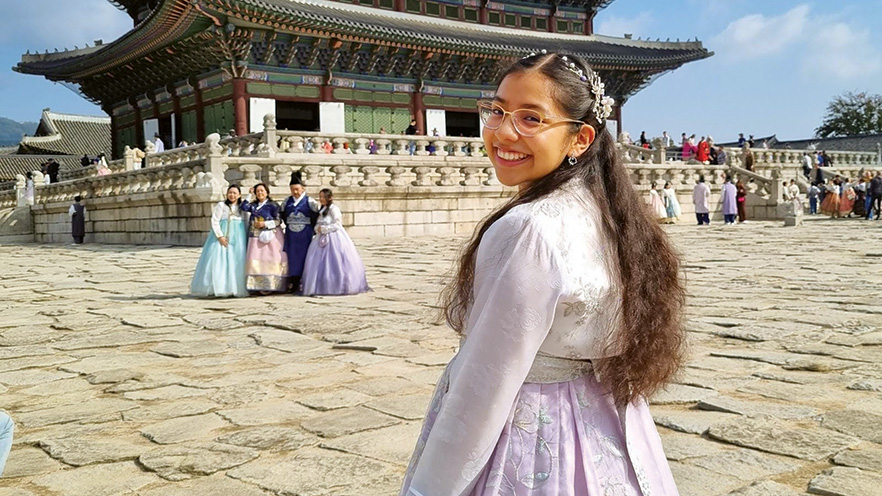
[649, 344]
[329, 197]
[239, 201]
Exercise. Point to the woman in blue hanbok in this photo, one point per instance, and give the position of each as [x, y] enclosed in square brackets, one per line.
[221, 267]
[266, 265]
[299, 212]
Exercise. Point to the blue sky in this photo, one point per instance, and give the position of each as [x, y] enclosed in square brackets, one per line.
[776, 63]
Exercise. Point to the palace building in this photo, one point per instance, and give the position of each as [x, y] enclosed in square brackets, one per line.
[189, 68]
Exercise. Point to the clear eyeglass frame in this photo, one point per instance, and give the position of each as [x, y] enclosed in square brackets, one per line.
[526, 122]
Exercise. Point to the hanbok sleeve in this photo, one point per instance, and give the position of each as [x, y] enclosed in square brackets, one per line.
[71, 211]
[216, 216]
[314, 205]
[516, 290]
[336, 218]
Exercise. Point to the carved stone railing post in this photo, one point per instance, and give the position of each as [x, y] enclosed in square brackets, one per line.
[491, 177]
[470, 176]
[368, 173]
[129, 158]
[340, 145]
[313, 175]
[383, 146]
[446, 176]
[249, 176]
[362, 146]
[421, 146]
[475, 149]
[317, 145]
[422, 176]
[402, 147]
[270, 136]
[440, 148]
[341, 175]
[395, 172]
[21, 193]
[458, 147]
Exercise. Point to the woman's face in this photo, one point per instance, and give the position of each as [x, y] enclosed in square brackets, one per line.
[520, 160]
[323, 199]
[261, 193]
[233, 195]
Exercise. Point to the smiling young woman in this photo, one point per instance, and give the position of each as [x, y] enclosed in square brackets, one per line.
[568, 302]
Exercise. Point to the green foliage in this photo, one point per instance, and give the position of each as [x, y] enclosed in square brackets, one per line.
[852, 114]
[11, 131]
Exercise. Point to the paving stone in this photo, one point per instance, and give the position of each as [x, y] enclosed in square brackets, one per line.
[313, 472]
[173, 392]
[756, 408]
[275, 412]
[766, 488]
[184, 461]
[89, 451]
[679, 446]
[189, 348]
[393, 444]
[286, 340]
[689, 421]
[96, 411]
[681, 394]
[26, 461]
[697, 481]
[245, 394]
[856, 423]
[270, 438]
[384, 386]
[347, 421]
[865, 457]
[164, 411]
[341, 398]
[14, 491]
[846, 481]
[177, 430]
[109, 479]
[113, 376]
[406, 407]
[745, 464]
[31, 377]
[218, 485]
[774, 436]
[116, 361]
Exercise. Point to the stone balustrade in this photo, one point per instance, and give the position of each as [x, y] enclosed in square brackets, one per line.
[383, 144]
[8, 199]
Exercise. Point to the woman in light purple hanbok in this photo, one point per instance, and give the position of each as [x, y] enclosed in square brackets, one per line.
[568, 303]
[332, 265]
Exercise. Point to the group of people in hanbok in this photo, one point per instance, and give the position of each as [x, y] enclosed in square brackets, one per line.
[664, 204]
[842, 197]
[259, 246]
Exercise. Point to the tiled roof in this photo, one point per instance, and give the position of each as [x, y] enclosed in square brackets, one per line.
[446, 34]
[862, 143]
[10, 165]
[68, 134]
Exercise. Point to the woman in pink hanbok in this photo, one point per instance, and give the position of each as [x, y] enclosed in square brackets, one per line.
[568, 303]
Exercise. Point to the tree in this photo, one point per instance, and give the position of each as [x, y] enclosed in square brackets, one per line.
[850, 114]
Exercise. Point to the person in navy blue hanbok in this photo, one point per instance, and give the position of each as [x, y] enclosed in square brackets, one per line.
[299, 212]
[266, 265]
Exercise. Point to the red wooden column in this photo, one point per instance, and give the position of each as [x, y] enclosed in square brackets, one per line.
[114, 139]
[617, 112]
[240, 107]
[327, 92]
[589, 22]
[139, 125]
[418, 109]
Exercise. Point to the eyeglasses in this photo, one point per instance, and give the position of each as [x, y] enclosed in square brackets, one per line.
[526, 122]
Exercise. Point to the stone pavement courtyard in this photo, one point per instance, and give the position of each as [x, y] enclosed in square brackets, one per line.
[122, 384]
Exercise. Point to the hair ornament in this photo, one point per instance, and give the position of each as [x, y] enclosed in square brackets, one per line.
[603, 105]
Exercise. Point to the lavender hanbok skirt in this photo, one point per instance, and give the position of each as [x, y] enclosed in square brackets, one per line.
[567, 439]
[333, 266]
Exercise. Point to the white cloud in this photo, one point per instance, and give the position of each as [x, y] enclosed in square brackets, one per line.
[756, 35]
[843, 52]
[50, 24]
[618, 26]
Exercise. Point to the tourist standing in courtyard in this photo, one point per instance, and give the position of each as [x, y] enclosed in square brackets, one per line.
[814, 193]
[876, 194]
[700, 197]
[266, 265]
[741, 201]
[546, 395]
[332, 266]
[77, 213]
[730, 207]
[299, 213]
[672, 205]
[656, 204]
[221, 267]
[846, 202]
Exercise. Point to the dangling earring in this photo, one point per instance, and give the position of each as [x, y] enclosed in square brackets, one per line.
[572, 159]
